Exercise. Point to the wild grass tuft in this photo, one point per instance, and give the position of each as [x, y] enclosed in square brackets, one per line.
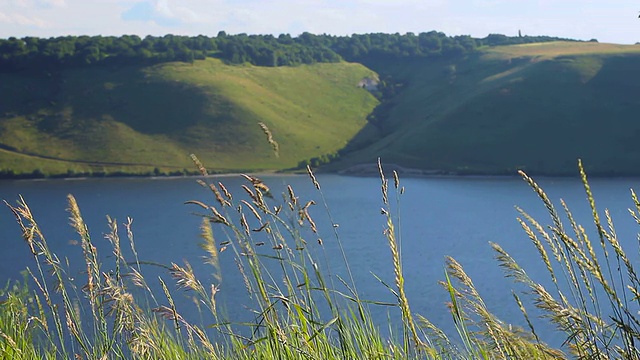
[300, 307]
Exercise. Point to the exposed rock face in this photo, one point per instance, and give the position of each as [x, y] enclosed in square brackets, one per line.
[369, 84]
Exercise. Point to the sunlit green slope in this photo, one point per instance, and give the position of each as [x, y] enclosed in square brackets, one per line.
[133, 119]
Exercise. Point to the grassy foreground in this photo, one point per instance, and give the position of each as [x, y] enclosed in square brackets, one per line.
[300, 311]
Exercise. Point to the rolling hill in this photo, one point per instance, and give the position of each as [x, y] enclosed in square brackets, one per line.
[133, 119]
[537, 107]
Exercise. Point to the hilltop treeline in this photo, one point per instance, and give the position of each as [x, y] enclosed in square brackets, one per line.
[261, 50]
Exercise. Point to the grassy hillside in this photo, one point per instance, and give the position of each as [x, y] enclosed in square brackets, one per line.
[134, 119]
[536, 107]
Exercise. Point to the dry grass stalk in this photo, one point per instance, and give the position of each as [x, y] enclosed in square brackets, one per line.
[223, 202]
[28, 232]
[93, 285]
[592, 204]
[114, 240]
[315, 182]
[270, 140]
[397, 268]
[185, 278]
[209, 246]
[396, 179]
[169, 313]
[593, 329]
[199, 165]
[260, 203]
[217, 217]
[540, 248]
[196, 202]
[293, 199]
[252, 209]
[250, 193]
[258, 184]
[12, 343]
[226, 192]
[545, 199]
[245, 225]
[526, 315]
[121, 305]
[142, 342]
[245, 279]
[385, 184]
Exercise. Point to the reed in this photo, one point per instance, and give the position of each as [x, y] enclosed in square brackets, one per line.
[301, 307]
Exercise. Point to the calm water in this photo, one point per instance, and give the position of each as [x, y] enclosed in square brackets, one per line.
[439, 217]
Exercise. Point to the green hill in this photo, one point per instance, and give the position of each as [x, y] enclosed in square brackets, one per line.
[537, 107]
[133, 119]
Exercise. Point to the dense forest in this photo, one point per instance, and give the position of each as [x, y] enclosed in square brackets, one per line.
[260, 50]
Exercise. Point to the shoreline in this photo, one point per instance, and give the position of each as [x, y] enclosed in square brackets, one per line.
[359, 170]
[368, 170]
[195, 175]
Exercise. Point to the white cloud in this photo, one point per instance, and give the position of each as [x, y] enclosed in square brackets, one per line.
[22, 20]
[34, 3]
[163, 12]
[57, 3]
[162, 8]
[186, 14]
[396, 3]
[29, 21]
[19, 3]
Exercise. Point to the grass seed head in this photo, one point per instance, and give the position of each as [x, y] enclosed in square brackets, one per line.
[316, 184]
[270, 140]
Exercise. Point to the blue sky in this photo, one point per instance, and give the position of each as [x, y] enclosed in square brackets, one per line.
[606, 20]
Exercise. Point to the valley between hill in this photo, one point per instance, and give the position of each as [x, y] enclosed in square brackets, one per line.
[537, 107]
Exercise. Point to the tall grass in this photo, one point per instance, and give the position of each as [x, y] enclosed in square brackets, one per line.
[301, 308]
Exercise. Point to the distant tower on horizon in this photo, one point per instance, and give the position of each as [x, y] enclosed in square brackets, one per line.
[519, 33]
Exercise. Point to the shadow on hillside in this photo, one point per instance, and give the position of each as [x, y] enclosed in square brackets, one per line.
[59, 102]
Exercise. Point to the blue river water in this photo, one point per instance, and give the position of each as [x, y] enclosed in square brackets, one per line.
[435, 217]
